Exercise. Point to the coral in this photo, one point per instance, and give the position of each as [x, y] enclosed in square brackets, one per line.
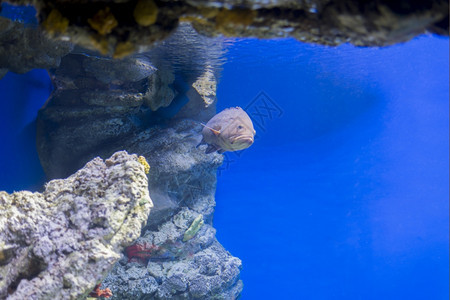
[194, 228]
[103, 21]
[57, 244]
[99, 100]
[123, 49]
[98, 293]
[160, 266]
[140, 24]
[227, 20]
[146, 12]
[144, 162]
[55, 22]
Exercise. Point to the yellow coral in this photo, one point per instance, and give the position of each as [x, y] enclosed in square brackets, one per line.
[236, 16]
[123, 49]
[100, 43]
[144, 162]
[209, 12]
[239, 17]
[202, 17]
[103, 21]
[146, 12]
[193, 19]
[55, 22]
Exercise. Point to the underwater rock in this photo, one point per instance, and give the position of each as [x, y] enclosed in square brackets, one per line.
[160, 93]
[99, 102]
[192, 74]
[123, 27]
[3, 72]
[91, 113]
[182, 183]
[181, 175]
[25, 48]
[202, 98]
[183, 258]
[206, 86]
[166, 267]
[96, 101]
[60, 243]
[108, 70]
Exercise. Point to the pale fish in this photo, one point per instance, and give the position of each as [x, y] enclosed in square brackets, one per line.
[230, 130]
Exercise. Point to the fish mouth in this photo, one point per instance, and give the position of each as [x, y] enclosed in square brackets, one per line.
[243, 140]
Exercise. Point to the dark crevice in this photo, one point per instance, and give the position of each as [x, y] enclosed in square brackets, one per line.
[33, 269]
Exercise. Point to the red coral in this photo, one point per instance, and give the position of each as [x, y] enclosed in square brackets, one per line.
[141, 252]
[98, 293]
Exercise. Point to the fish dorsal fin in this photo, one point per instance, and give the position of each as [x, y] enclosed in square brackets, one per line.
[215, 130]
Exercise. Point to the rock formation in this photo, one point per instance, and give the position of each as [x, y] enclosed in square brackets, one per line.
[60, 243]
[23, 48]
[99, 102]
[122, 27]
[167, 266]
[149, 103]
[102, 105]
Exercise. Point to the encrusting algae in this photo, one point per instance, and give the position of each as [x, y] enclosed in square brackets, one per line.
[144, 162]
[194, 228]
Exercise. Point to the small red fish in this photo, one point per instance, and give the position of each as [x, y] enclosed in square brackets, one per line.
[98, 293]
[141, 252]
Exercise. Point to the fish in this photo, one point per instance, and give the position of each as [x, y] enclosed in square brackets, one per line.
[230, 130]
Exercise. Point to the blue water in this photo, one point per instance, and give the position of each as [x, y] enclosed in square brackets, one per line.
[345, 193]
[21, 97]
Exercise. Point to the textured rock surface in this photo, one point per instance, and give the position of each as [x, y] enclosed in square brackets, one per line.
[116, 27]
[25, 48]
[182, 183]
[181, 175]
[196, 269]
[95, 112]
[97, 100]
[101, 101]
[58, 244]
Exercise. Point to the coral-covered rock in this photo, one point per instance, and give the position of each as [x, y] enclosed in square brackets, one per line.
[100, 102]
[60, 243]
[107, 113]
[122, 27]
[99, 293]
[169, 268]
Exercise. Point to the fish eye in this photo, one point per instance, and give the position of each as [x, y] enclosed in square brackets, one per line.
[240, 127]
